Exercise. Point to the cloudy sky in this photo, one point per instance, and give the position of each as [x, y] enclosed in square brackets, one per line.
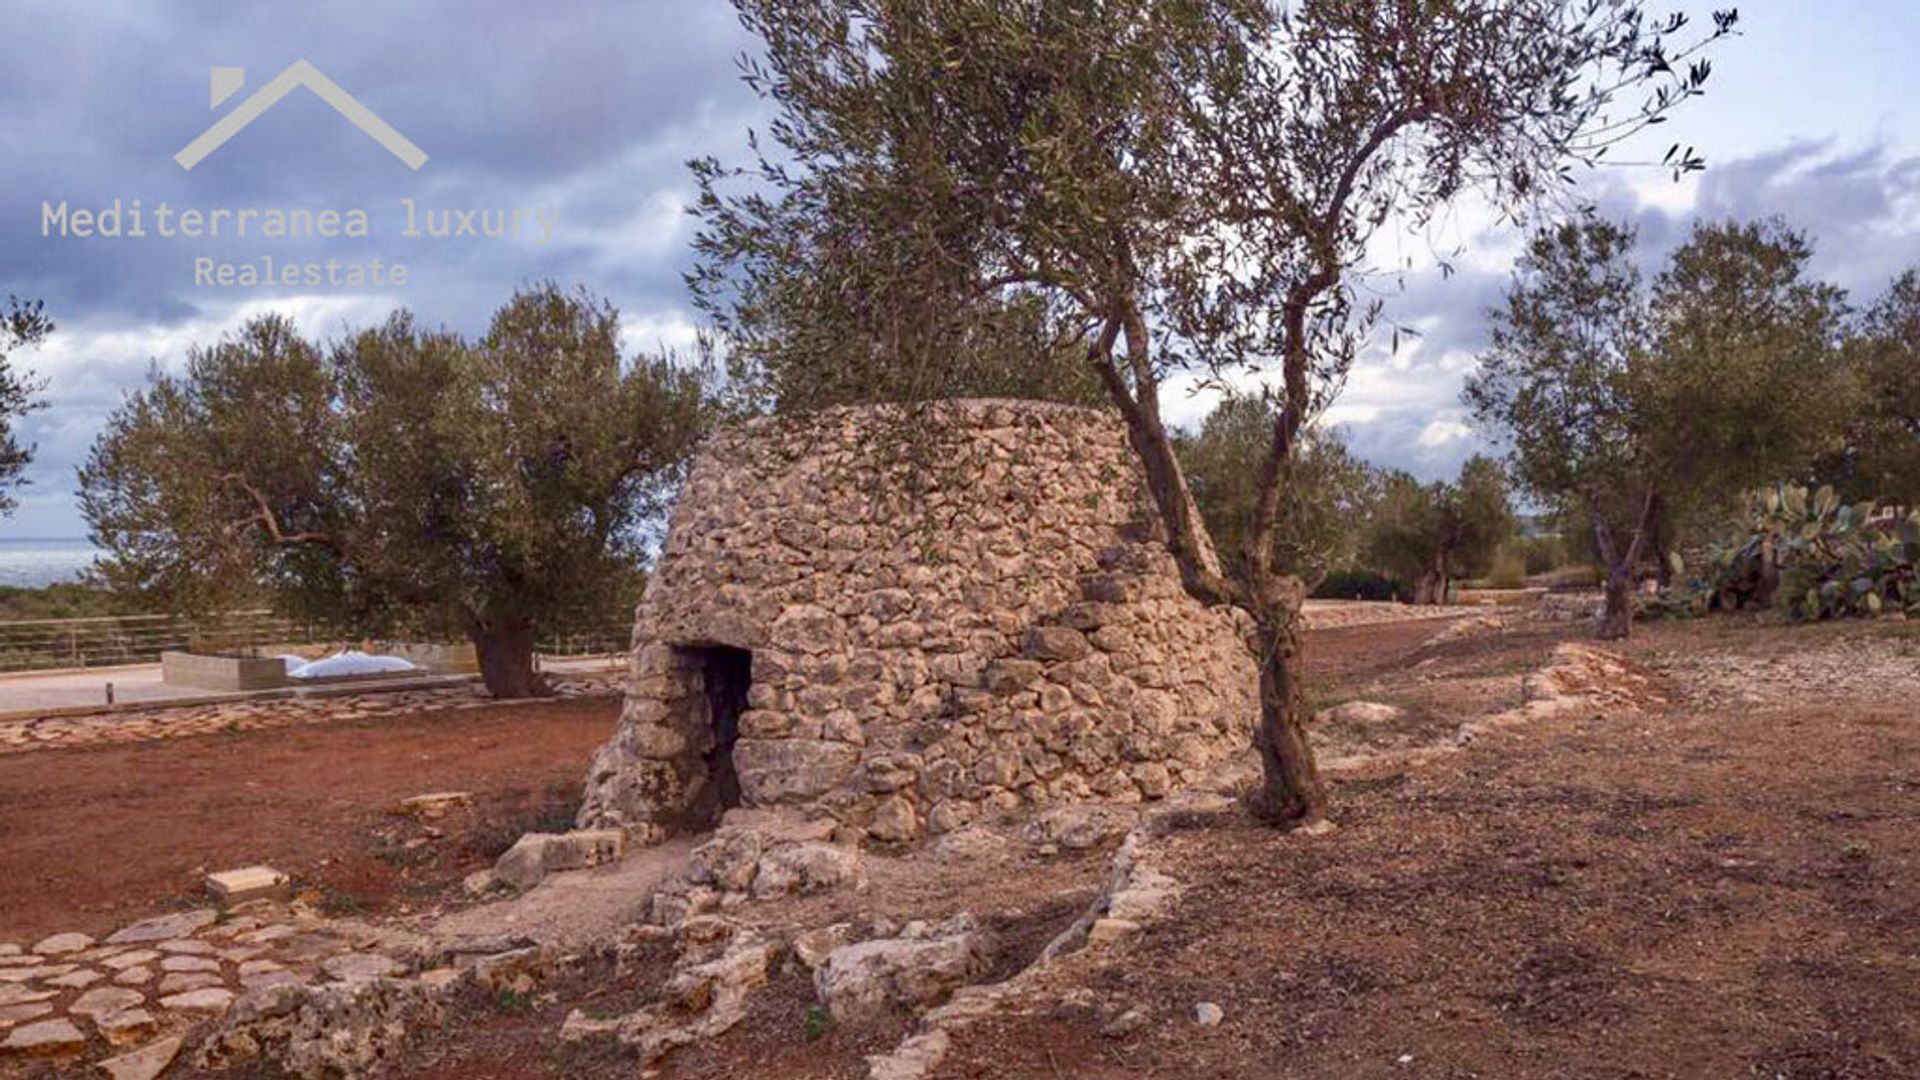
[585, 112]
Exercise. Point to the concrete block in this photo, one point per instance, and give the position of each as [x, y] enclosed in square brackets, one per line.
[231, 673]
[248, 883]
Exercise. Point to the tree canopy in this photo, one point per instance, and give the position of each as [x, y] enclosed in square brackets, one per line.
[1430, 534]
[404, 480]
[1635, 405]
[1327, 496]
[1881, 456]
[25, 323]
[1743, 380]
[1166, 186]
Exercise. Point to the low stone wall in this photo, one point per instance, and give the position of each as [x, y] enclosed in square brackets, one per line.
[970, 617]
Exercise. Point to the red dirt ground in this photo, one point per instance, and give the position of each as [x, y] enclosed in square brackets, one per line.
[94, 838]
[1700, 893]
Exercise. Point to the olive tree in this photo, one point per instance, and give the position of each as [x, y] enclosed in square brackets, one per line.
[406, 480]
[1632, 404]
[1743, 381]
[1169, 186]
[1881, 456]
[1327, 496]
[25, 323]
[1430, 534]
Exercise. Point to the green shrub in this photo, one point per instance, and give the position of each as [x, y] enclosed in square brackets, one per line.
[1356, 584]
[1813, 557]
[1509, 570]
[1538, 554]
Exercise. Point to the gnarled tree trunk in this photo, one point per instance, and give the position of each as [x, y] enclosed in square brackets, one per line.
[1292, 793]
[1616, 619]
[505, 649]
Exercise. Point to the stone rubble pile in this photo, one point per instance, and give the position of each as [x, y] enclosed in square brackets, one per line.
[321, 996]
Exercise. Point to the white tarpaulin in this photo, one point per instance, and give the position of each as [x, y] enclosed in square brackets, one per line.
[351, 662]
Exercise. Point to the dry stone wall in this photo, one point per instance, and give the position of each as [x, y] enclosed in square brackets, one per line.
[960, 613]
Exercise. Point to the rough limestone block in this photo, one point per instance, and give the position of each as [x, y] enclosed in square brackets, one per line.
[582, 848]
[248, 883]
[523, 864]
[536, 855]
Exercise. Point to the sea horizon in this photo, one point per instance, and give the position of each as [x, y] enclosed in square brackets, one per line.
[33, 562]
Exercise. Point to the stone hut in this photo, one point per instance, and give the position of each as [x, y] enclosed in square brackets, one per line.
[911, 626]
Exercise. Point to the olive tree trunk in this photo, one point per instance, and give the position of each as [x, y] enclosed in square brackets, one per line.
[505, 650]
[1616, 617]
[1291, 794]
[1292, 791]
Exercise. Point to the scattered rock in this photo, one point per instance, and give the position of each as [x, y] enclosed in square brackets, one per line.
[806, 868]
[1207, 1014]
[1359, 714]
[435, 804]
[349, 967]
[61, 944]
[231, 887]
[812, 947]
[130, 1026]
[139, 975]
[536, 855]
[1125, 1024]
[914, 971]
[330, 1030]
[76, 980]
[145, 1063]
[187, 947]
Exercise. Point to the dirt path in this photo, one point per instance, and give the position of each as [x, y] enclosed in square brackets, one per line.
[1709, 893]
[96, 837]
